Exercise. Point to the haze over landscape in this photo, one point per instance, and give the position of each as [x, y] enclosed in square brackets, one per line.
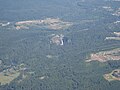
[59, 44]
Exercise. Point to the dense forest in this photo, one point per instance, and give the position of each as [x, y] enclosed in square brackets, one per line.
[59, 67]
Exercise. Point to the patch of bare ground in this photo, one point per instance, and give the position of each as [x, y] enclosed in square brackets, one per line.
[117, 36]
[114, 75]
[57, 39]
[105, 56]
[48, 23]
